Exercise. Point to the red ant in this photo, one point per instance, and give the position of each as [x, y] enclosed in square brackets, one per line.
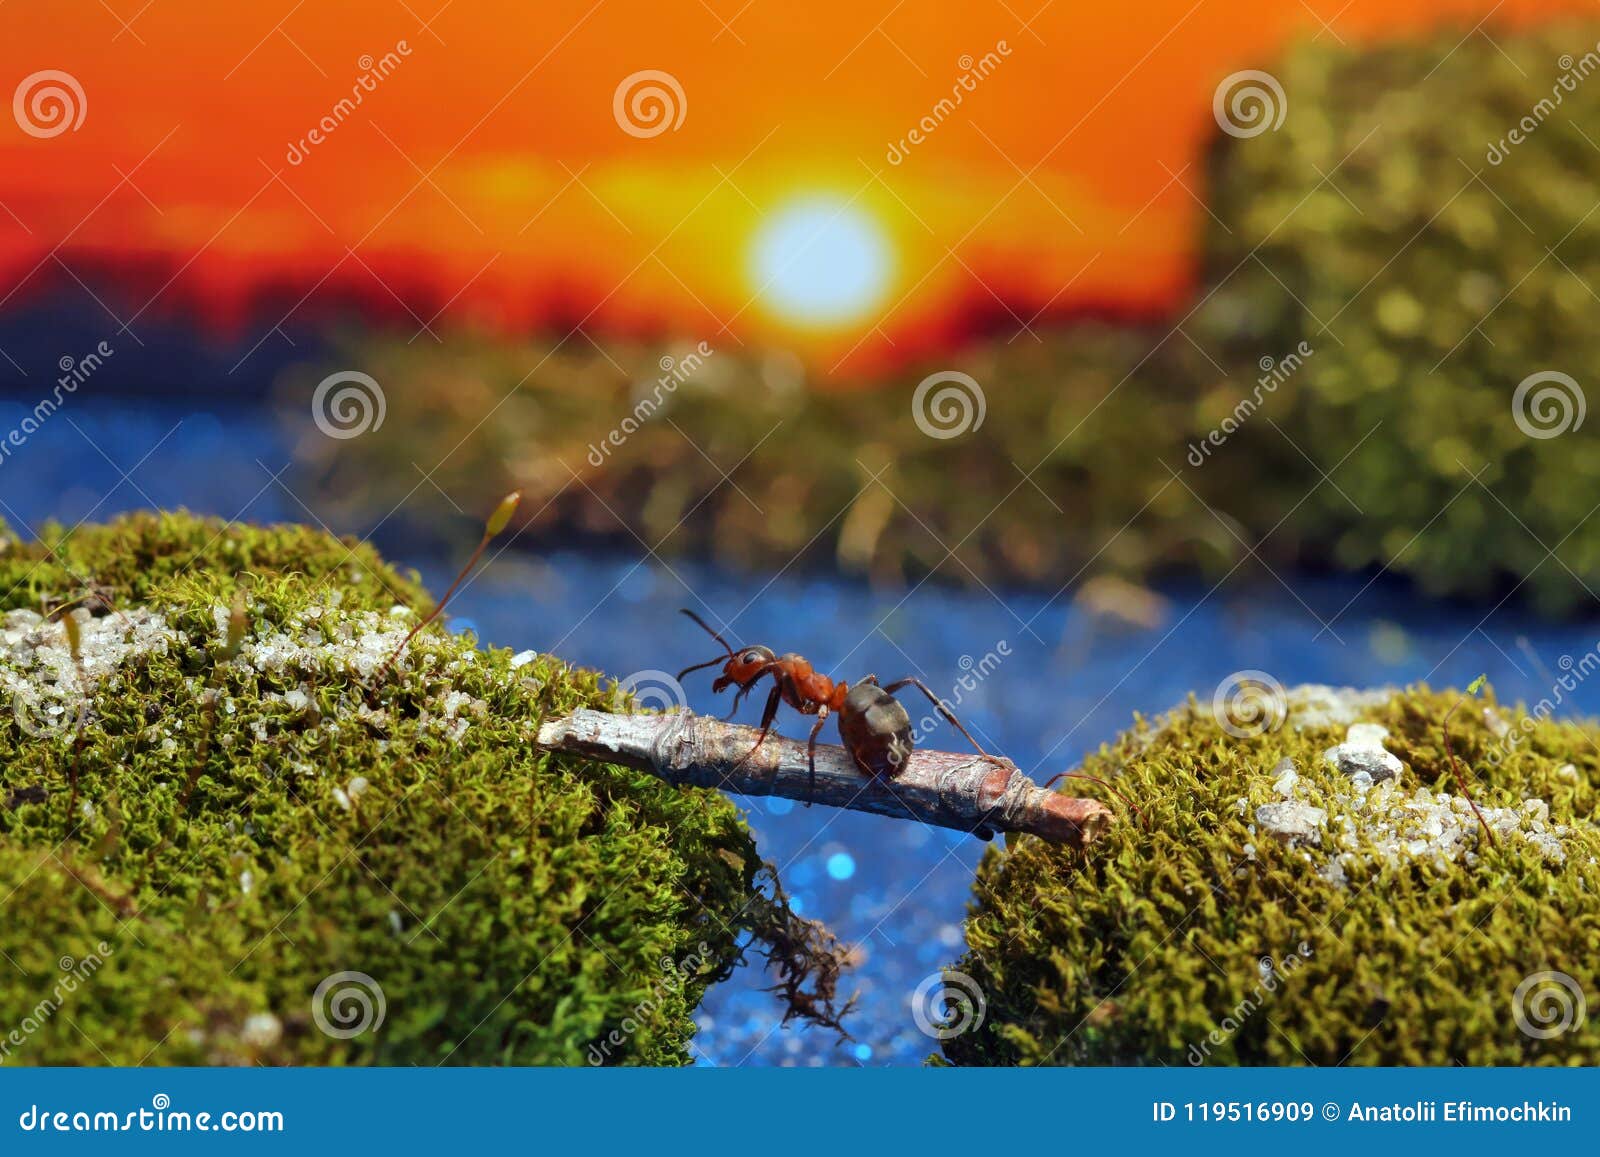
[875, 728]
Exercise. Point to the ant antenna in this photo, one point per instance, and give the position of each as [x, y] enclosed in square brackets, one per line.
[704, 627]
[1101, 782]
[710, 662]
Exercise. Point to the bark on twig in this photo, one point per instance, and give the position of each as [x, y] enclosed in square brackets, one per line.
[952, 790]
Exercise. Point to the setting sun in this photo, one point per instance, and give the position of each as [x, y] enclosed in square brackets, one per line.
[820, 262]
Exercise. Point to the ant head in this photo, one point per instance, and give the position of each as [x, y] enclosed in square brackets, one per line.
[738, 667]
[743, 666]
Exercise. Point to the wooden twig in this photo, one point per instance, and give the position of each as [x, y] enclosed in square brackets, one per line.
[952, 790]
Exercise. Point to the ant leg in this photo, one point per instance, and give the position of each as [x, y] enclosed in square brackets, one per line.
[745, 689]
[767, 716]
[811, 754]
[732, 711]
[913, 681]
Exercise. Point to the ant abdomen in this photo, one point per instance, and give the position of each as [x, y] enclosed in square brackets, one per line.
[876, 730]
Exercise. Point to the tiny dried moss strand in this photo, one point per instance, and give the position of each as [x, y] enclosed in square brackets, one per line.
[75, 645]
[1455, 765]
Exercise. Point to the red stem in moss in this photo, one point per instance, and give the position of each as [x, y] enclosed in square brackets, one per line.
[496, 523]
[1461, 779]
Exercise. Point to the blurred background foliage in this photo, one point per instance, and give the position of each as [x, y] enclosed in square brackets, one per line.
[1329, 231]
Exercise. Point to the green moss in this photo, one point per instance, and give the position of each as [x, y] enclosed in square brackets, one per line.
[1437, 288]
[1146, 949]
[512, 907]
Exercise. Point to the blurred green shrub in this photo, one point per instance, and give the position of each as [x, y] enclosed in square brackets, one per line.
[1433, 265]
[846, 474]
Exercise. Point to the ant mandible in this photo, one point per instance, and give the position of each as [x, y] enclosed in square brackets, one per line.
[874, 727]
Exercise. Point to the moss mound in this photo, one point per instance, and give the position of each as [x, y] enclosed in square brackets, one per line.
[1439, 295]
[1312, 917]
[249, 826]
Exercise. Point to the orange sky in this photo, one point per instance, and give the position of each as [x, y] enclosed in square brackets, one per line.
[486, 178]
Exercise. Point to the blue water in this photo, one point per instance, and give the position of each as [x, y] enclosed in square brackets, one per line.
[896, 890]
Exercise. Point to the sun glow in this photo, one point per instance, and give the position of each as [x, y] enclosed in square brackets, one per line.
[820, 262]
